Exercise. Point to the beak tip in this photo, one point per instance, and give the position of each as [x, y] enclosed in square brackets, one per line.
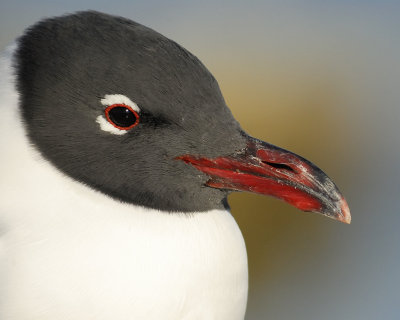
[345, 215]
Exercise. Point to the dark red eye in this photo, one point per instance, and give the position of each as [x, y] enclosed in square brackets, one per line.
[122, 116]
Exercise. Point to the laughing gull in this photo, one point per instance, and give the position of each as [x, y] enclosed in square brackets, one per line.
[119, 153]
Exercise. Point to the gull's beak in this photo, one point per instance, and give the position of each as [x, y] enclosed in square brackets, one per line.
[266, 169]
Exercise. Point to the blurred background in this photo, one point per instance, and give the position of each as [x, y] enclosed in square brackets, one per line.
[320, 78]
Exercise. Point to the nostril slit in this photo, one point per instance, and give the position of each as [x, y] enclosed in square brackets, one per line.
[279, 166]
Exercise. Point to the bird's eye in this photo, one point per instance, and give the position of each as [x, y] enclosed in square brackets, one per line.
[122, 116]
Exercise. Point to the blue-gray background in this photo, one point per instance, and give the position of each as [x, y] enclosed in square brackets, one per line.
[320, 78]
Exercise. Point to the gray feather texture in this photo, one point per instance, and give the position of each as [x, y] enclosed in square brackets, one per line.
[66, 65]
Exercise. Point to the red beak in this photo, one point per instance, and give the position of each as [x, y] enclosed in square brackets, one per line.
[266, 169]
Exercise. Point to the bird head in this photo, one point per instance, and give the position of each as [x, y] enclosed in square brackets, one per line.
[130, 113]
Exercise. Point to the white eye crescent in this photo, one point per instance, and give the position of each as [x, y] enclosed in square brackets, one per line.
[110, 99]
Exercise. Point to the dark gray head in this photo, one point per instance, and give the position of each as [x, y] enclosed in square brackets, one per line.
[67, 65]
[86, 78]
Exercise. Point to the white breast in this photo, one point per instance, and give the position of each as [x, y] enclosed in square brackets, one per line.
[69, 252]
